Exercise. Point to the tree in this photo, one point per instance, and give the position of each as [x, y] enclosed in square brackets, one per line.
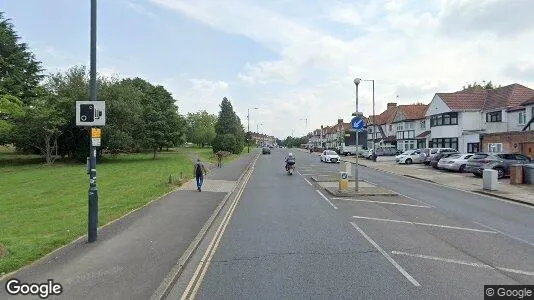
[11, 109]
[19, 70]
[201, 128]
[485, 86]
[162, 127]
[40, 127]
[228, 123]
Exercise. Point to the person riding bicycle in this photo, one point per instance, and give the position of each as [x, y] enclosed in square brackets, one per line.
[290, 160]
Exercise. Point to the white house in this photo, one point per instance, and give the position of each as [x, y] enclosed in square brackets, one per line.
[460, 120]
[411, 125]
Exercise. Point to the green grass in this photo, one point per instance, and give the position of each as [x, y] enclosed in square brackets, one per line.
[44, 207]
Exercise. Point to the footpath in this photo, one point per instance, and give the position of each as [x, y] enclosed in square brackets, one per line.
[133, 255]
[463, 181]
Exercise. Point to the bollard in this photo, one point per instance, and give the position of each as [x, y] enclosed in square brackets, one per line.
[489, 179]
[346, 167]
[516, 174]
[343, 182]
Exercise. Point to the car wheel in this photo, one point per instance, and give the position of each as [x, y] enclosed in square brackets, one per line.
[500, 173]
[477, 175]
[462, 169]
[408, 161]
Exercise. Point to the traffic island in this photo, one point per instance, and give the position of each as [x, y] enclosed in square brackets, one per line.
[328, 178]
[364, 189]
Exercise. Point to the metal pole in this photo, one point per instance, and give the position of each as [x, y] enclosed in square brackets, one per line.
[374, 126]
[248, 130]
[93, 191]
[357, 149]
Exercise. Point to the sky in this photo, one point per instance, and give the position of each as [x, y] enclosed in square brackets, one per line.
[294, 60]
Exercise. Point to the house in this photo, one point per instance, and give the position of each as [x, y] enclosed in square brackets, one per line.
[411, 126]
[460, 120]
[382, 126]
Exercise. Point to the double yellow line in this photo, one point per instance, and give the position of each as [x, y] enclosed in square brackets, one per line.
[196, 281]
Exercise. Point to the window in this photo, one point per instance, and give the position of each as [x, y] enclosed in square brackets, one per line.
[390, 127]
[522, 117]
[421, 143]
[411, 144]
[473, 147]
[495, 147]
[445, 143]
[399, 126]
[422, 124]
[399, 135]
[493, 117]
[521, 157]
[443, 119]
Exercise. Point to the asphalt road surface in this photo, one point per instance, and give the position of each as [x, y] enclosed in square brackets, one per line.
[289, 239]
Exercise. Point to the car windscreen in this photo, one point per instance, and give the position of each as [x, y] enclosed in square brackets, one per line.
[479, 156]
[331, 153]
[454, 156]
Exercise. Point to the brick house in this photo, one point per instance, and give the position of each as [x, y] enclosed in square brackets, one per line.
[382, 125]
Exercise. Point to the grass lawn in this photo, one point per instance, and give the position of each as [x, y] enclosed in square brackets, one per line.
[44, 207]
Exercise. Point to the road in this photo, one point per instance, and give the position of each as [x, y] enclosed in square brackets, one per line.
[288, 239]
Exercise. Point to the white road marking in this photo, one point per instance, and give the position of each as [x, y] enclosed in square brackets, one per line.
[307, 181]
[308, 174]
[382, 202]
[420, 201]
[505, 234]
[324, 197]
[391, 260]
[424, 224]
[460, 262]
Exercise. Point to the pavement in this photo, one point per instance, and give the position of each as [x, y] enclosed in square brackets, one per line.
[286, 238]
[465, 181]
[134, 254]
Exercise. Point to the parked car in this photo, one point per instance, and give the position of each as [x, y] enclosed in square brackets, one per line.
[386, 151]
[500, 162]
[410, 156]
[455, 162]
[266, 150]
[330, 156]
[431, 152]
[434, 161]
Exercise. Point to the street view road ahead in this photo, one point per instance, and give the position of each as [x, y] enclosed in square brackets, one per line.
[288, 239]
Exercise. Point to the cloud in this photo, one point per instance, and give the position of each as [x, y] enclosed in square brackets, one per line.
[138, 8]
[505, 18]
[410, 48]
[520, 70]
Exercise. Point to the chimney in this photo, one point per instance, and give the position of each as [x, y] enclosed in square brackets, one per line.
[340, 121]
[392, 104]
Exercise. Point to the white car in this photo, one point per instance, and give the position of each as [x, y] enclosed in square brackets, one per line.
[330, 156]
[455, 162]
[410, 157]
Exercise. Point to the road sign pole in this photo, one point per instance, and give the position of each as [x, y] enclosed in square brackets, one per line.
[357, 149]
[93, 191]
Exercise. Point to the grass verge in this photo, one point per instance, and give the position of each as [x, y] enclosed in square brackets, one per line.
[45, 207]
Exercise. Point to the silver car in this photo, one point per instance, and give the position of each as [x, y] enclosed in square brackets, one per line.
[496, 161]
[455, 162]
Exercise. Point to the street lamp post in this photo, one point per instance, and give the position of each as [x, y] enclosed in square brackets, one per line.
[356, 83]
[374, 117]
[248, 128]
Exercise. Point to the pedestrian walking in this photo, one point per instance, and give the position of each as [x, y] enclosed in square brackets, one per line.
[219, 159]
[200, 170]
